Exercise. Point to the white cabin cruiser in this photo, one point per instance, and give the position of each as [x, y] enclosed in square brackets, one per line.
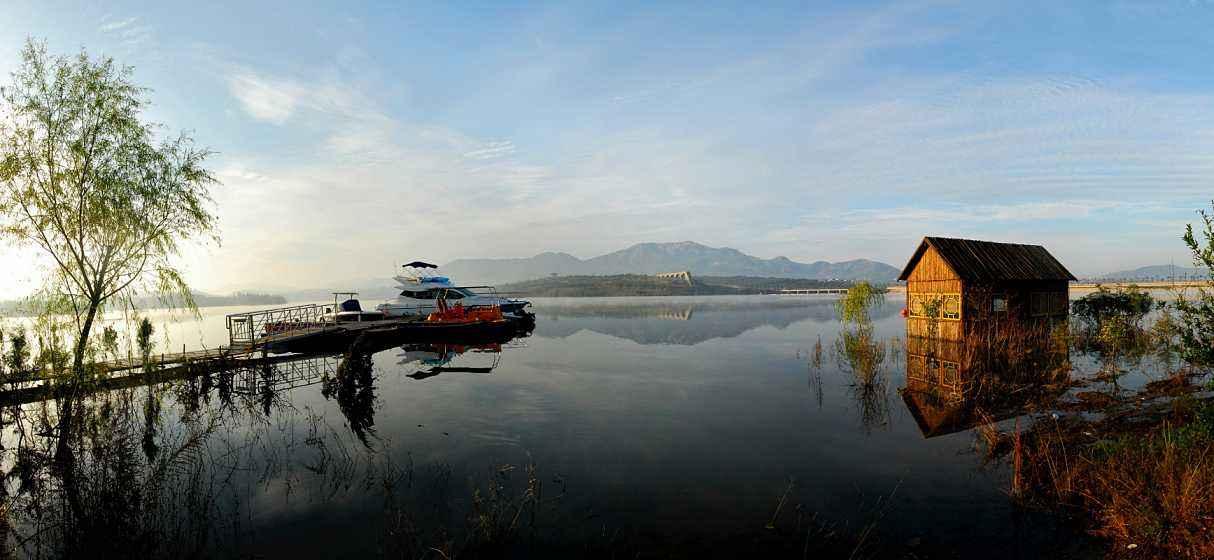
[421, 288]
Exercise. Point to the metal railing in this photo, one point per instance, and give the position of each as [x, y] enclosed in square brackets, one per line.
[245, 328]
[284, 375]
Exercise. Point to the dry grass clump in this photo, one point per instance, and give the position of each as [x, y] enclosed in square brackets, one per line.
[1146, 483]
[1156, 493]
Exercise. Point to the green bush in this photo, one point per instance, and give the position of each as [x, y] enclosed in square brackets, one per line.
[16, 360]
[1197, 314]
[1113, 310]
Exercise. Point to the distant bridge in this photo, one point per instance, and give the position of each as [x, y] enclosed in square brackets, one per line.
[811, 291]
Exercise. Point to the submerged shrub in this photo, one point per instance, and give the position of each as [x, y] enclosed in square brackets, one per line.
[143, 337]
[1121, 310]
[860, 299]
[16, 360]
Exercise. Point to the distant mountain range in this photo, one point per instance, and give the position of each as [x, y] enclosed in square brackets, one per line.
[615, 285]
[653, 258]
[1156, 272]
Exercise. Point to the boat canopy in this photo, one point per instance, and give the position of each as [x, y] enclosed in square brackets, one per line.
[423, 282]
[420, 264]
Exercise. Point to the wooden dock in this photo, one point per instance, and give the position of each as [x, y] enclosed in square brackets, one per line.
[250, 372]
[210, 355]
[262, 337]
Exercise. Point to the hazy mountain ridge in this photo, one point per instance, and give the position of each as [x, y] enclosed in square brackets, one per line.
[646, 285]
[653, 258]
[1157, 272]
[201, 299]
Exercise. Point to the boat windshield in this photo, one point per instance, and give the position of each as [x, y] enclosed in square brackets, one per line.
[459, 293]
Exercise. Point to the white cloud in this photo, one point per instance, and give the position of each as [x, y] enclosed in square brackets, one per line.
[263, 99]
[131, 32]
[109, 25]
[491, 150]
[888, 160]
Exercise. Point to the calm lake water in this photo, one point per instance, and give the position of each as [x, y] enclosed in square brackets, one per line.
[653, 419]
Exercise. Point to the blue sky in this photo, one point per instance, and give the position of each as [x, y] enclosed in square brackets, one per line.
[352, 136]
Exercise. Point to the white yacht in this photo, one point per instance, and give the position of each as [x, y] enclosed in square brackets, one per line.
[421, 287]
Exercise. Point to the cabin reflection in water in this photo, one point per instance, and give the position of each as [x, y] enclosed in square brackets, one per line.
[956, 385]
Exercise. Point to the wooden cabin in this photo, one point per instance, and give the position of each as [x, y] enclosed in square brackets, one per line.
[955, 287]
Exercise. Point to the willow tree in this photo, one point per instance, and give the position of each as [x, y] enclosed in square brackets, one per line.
[106, 195]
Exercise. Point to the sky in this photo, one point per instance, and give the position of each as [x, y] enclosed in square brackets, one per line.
[351, 137]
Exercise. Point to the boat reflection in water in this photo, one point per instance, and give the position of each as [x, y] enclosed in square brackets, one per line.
[955, 385]
[430, 360]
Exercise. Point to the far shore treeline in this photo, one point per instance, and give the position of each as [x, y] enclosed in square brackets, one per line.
[16, 307]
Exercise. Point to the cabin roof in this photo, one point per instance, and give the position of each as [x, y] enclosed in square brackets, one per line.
[986, 261]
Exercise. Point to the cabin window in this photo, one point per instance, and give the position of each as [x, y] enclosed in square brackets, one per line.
[950, 375]
[950, 307]
[916, 368]
[454, 294]
[999, 304]
[947, 306]
[1048, 303]
[424, 294]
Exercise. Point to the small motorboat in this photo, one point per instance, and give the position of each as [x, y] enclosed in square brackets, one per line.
[349, 310]
[421, 287]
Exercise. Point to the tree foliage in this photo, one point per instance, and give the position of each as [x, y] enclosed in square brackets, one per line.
[1196, 325]
[84, 179]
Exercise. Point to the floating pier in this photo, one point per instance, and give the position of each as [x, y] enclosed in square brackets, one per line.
[268, 337]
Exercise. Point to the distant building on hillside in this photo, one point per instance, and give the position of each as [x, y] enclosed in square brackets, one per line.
[955, 287]
[684, 275]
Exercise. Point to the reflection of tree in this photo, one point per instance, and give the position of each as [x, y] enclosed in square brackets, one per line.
[181, 468]
[860, 354]
[354, 388]
[95, 478]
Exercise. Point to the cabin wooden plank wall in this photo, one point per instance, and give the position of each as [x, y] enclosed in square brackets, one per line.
[1025, 301]
[933, 277]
